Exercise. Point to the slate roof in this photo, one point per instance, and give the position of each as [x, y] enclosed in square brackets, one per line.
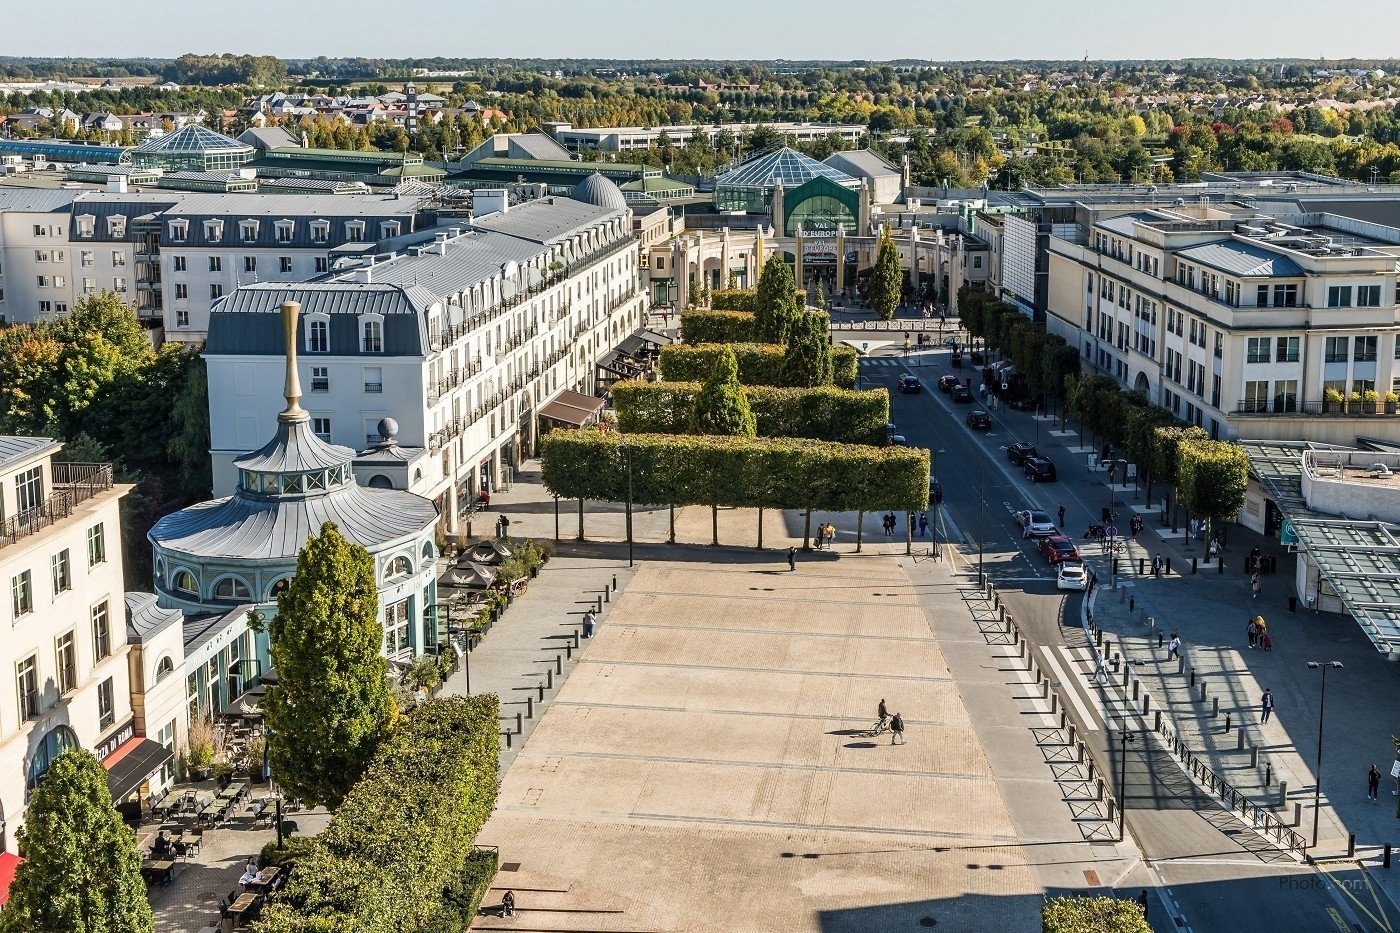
[14, 449]
[545, 220]
[1245, 259]
[268, 137]
[469, 259]
[861, 162]
[404, 308]
[145, 619]
[294, 449]
[36, 200]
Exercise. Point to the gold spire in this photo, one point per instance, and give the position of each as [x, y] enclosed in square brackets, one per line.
[291, 388]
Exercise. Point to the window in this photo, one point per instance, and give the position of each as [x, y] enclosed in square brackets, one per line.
[89, 285]
[182, 291]
[179, 231]
[179, 264]
[216, 291]
[322, 264]
[355, 231]
[1258, 350]
[284, 232]
[164, 668]
[29, 489]
[320, 231]
[1285, 396]
[185, 582]
[250, 264]
[67, 658]
[27, 680]
[96, 545]
[85, 258]
[43, 281]
[45, 307]
[1339, 296]
[285, 263]
[1256, 396]
[398, 568]
[62, 572]
[1232, 293]
[214, 230]
[1365, 350]
[119, 285]
[21, 594]
[1335, 350]
[182, 317]
[216, 264]
[321, 427]
[248, 231]
[1368, 296]
[1261, 296]
[60, 307]
[320, 379]
[106, 704]
[374, 379]
[396, 629]
[318, 335]
[1287, 350]
[232, 588]
[389, 228]
[101, 631]
[372, 337]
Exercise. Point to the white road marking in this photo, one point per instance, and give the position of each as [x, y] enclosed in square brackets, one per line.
[1071, 694]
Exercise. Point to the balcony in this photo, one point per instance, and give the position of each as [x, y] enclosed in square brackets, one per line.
[1316, 408]
[74, 483]
[29, 704]
[374, 388]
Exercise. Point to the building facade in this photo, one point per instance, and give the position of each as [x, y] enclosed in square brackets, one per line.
[36, 270]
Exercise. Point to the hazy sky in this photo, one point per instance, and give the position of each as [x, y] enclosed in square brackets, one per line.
[795, 29]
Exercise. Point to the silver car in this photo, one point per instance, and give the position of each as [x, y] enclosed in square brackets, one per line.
[1035, 523]
[1072, 576]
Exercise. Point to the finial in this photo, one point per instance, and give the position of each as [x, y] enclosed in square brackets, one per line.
[291, 388]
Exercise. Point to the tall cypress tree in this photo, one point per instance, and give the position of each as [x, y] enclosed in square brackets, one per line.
[331, 704]
[887, 278]
[776, 301]
[807, 363]
[82, 869]
[721, 406]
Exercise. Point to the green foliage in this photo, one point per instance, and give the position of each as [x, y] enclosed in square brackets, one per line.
[781, 473]
[1139, 429]
[330, 707]
[760, 364]
[734, 299]
[1092, 915]
[824, 413]
[468, 889]
[819, 296]
[776, 303]
[292, 849]
[398, 846]
[1166, 447]
[698, 327]
[82, 869]
[807, 362]
[721, 407]
[887, 278]
[1212, 477]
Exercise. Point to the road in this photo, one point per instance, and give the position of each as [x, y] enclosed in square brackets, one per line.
[1215, 872]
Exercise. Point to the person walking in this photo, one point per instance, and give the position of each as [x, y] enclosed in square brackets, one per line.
[1100, 669]
[590, 620]
[1254, 585]
[1213, 552]
[830, 535]
[792, 559]
[1142, 901]
[897, 730]
[1252, 632]
[502, 526]
[1174, 646]
[1373, 783]
[882, 712]
[1061, 514]
[923, 524]
[1266, 705]
[1157, 566]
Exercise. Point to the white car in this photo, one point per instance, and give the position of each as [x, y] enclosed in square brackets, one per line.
[1072, 576]
[1035, 523]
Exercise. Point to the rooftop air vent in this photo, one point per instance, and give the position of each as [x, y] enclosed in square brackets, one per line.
[1381, 471]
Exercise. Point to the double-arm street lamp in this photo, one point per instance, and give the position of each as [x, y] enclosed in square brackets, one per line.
[1123, 779]
[1321, 711]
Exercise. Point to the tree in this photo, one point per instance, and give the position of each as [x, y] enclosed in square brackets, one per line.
[721, 407]
[82, 868]
[776, 302]
[887, 278]
[1212, 477]
[331, 705]
[807, 363]
[819, 296]
[1092, 915]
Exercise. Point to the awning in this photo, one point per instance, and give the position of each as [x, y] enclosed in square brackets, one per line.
[8, 863]
[572, 408]
[130, 765]
[651, 336]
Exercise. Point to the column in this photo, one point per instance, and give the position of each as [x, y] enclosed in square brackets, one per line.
[840, 260]
[797, 252]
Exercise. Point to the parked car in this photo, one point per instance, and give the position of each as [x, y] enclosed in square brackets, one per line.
[935, 491]
[1020, 452]
[961, 393]
[979, 420]
[947, 381]
[910, 385]
[957, 360]
[1058, 549]
[891, 429]
[1036, 522]
[898, 440]
[1071, 576]
[1040, 470]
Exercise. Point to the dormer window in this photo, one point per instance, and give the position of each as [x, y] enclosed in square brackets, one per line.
[116, 226]
[389, 228]
[371, 333]
[320, 231]
[355, 231]
[213, 230]
[318, 334]
[85, 224]
[179, 230]
[284, 231]
[248, 231]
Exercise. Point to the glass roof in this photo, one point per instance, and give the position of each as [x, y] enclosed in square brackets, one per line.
[790, 167]
[193, 138]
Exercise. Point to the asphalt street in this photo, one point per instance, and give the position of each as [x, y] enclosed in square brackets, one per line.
[1215, 872]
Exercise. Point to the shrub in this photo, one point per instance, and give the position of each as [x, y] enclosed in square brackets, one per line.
[734, 299]
[293, 848]
[721, 407]
[717, 327]
[1092, 915]
[825, 413]
[469, 888]
[760, 364]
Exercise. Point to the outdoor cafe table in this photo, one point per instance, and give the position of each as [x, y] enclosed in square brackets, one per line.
[265, 877]
[158, 869]
[241, 906]
[233, 791]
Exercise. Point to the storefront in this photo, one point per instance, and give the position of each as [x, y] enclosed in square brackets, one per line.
[134, 766]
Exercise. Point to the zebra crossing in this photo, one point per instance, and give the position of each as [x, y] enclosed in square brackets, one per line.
[895, 362]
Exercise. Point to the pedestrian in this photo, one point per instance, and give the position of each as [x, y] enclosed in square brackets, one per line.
[1373, 783]
[1252, 631]
[1213, 552]
[882, 713]
[590, 619]
[792, 558]
[923, 524]
[897, 730]
[1061, 514]
[502, 526]
[1254, 585]
[508, 904]
[486, 497]
[1157, 566]
[1174, 646]
[1100, 669]
[1142, 901]
[830, 535]
[1266, 705]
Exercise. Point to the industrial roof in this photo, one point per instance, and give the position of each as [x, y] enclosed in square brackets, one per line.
[63, 150]
[1125, 223]
[1358, 559]
[466, 261]
[861, 162]
[537, 146]
[192, 138]
[789, 166]
[1238, 258]
[36, 200]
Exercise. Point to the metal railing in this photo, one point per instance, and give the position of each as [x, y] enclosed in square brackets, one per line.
[73, 483]
[1323, 408]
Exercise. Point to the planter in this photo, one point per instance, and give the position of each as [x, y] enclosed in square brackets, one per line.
[199, 772]
[534, 572]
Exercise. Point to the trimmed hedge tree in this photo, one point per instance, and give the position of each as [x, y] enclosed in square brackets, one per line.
[760, 364]
[1092, 915]
[396, 854]
[778, 473]
[807, 362]
[718, 327]
[824, 413]
[721, 407]
[1212, 477]
[776, 306]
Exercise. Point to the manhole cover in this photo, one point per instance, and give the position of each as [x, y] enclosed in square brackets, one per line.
[927, 922]
[510, 866]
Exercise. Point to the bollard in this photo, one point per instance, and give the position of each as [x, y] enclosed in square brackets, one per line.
[1167, 567]
[1385, 859]
[540, 687]
[1107, 646]
[1215, 708]
[1115, 664]
[1351, 845]
[1024, 648]
[1071, 734]
[600, 605]
[1002, 611]
[1137, 687]
[1282, 794]
[568, 650]
[614, 583]
[1063, 720]
[1146, 703]
[1227, 723]
[1054, 702]
[1098, 794]
[1193, 677]
[1127, 675]
[1254, 756]
[519, 724]
[1079, 755]
[507, 735]
[1220, 565]
[548, 679]
[1239, 740]
[1112, 809]
[576, 638]
[1157, 723]
[1268, 773]
[1180, 663]
[1297, 813]
[1098, 637]
[1161, 639]
[1193, 565]
[1045, 689]
[1091, 769]
[607, 595]
[1132, 604]
[558, 664]
[529, 707]
[1142, 565]
[1203, 690]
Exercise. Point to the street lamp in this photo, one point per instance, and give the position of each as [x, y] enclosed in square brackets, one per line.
[1321, 709]
[1123, 781]
[628, 449]
[981, 516]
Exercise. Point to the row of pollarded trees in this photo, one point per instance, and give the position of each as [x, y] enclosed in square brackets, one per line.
[1045, 359]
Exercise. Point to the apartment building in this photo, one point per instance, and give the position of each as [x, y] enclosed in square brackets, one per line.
[626, 138]
[65, 645]
[36, 278]
[1248, 325]
[440, 362]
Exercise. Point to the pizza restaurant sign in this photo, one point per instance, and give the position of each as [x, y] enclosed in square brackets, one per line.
[115, 740]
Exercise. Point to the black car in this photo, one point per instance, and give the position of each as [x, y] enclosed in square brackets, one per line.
[898, 440]
[910, 384]
[961, 393]
[935, 491]
[1019, 453]
[957, 360]
[1040, 470]
[979, 420]
[947, 381]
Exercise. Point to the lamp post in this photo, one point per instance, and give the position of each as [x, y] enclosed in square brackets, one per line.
[1123, 781]
[1321, 710]
[628, 449]
[981, 524]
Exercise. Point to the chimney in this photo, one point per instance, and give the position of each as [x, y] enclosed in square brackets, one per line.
[116, 184]
[291, 387]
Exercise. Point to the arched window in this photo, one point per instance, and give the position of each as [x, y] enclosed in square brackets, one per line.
[59, 740]
[380, 481]
[232, 588]
[184, 582]
[429, 552]
[398, 568]
[164, 668]
[278, 587]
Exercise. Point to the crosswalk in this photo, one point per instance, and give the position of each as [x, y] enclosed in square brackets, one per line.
[889, 362]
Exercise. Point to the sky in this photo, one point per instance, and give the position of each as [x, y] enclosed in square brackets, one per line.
[717, 29]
